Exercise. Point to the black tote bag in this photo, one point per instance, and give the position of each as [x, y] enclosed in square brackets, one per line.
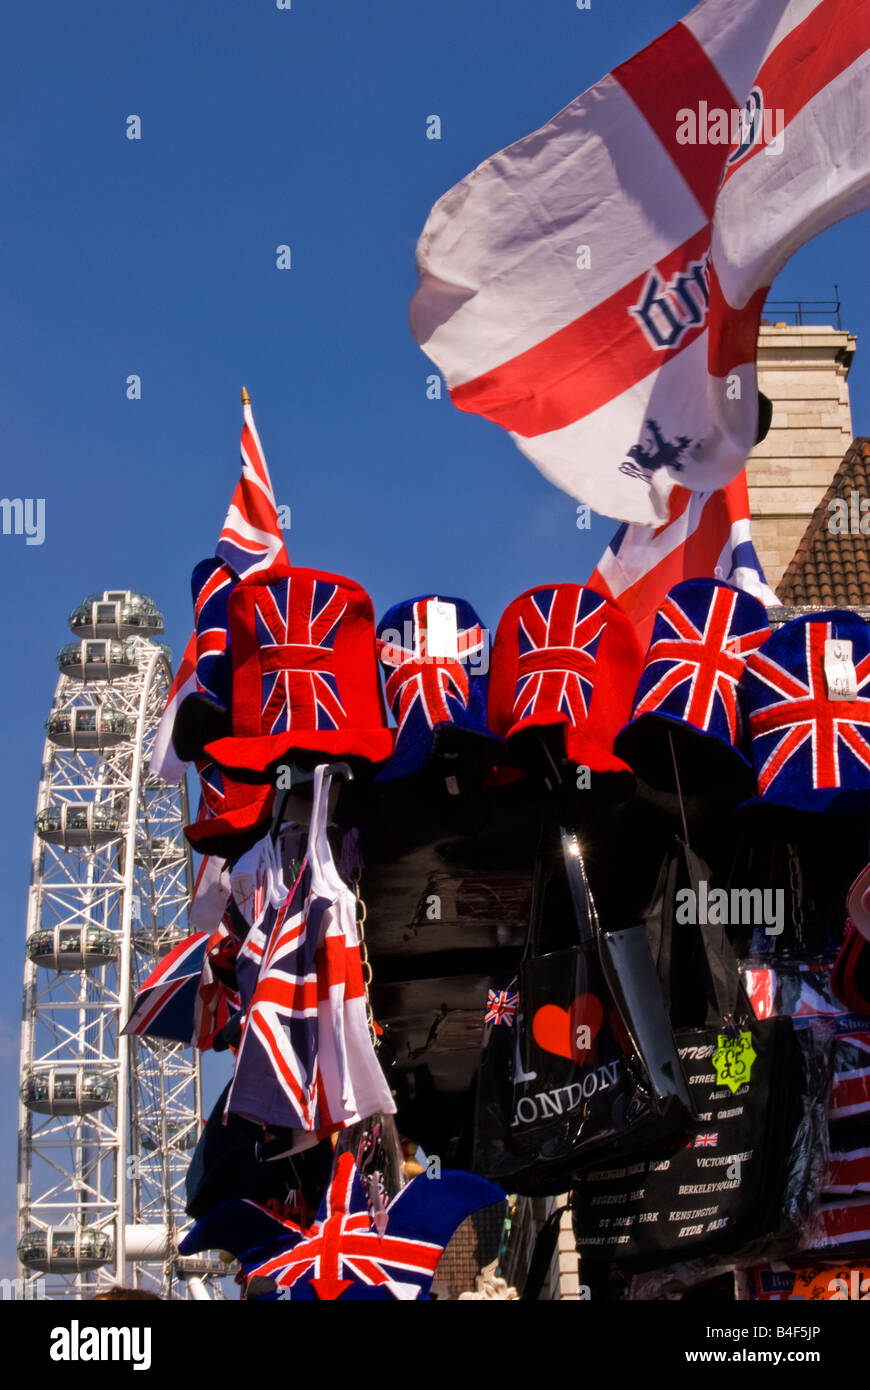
[722, 1186]
[560, 1079]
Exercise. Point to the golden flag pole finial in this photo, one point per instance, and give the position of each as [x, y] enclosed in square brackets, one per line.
[246, 400]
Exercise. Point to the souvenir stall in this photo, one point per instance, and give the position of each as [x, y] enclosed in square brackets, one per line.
[541, 923]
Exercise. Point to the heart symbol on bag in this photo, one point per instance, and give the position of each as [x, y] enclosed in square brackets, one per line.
[569, 1032]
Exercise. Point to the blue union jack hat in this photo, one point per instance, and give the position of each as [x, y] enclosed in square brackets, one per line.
[435, 656]
[687, 699]
[806, 694]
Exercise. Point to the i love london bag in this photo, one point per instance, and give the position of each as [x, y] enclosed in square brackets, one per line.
[723, 1187]
[559, 1078]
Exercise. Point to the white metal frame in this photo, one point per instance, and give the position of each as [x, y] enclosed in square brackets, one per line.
[119, 1169]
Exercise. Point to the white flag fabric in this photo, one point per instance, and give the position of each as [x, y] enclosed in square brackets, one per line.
[596, 288]
[164, 761]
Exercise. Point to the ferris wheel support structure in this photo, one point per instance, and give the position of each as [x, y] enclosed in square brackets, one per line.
[107, 1121]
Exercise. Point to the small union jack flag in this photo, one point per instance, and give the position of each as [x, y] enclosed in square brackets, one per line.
[164, 1006]
[702, 636]
[250, 541]
[706, 1141]
[559, 631]
[797, 731]
[501, 1007]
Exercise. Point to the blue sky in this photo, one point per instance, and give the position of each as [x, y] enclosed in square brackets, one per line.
[157, 257]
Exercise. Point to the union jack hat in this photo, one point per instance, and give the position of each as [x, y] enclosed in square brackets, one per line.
[687, 698]
[304, 674]
[435, 656]
[565, 664]
[232, 815]
[806, 695]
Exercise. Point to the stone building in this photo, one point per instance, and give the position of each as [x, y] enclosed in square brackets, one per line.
[804, 370]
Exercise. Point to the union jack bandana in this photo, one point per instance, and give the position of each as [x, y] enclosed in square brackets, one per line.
[429, 688]
[811, 752]
[342, 1254]
[501, 1007]
[702, 635]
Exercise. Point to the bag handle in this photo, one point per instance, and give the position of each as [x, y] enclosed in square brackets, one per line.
[542, 1255]
[728, 995]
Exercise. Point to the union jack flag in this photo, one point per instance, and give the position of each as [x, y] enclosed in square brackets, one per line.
[276, 1071]
[559, 631]
[700, 632]
[164, 1006]
[251, 538]
[217, 996]
[797, 718]
[426, 683]
[501, 1007]
[342, 1248]
[706, 1141]
[250, 541]
[296, 624]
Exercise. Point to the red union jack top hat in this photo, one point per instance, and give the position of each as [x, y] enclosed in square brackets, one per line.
[304, 674]
[565, 662]
[806, 694]
[435, 656]
[687, 697]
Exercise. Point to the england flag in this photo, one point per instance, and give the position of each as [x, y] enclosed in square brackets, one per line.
[596, 288]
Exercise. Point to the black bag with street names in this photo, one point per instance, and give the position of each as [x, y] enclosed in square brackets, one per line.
[722, 1186]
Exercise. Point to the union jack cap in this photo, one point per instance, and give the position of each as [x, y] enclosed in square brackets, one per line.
[687, 698]
[565, 659]
[436, 689]
[806, 695]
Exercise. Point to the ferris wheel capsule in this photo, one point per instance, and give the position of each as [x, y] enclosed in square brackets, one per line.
[80, 823]
[67, 1091]
[97, 659]
[88, 726]
[116, 613]
[72, 948]
[58, 1250]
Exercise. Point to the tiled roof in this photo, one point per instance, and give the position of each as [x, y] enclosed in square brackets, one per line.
[828, 569]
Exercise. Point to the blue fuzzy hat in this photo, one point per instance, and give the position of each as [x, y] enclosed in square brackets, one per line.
[806, 694]
[686, 707]
[435, 656]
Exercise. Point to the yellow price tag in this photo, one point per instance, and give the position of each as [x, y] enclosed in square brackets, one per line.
[733, 1060]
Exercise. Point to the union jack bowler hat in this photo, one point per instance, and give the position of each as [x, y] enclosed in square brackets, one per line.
[806, 695]
[565, 663]
[687, 709]
[435, 657]
[304, 675]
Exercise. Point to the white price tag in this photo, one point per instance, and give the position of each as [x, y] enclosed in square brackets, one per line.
[442, 640]
[840, 677]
